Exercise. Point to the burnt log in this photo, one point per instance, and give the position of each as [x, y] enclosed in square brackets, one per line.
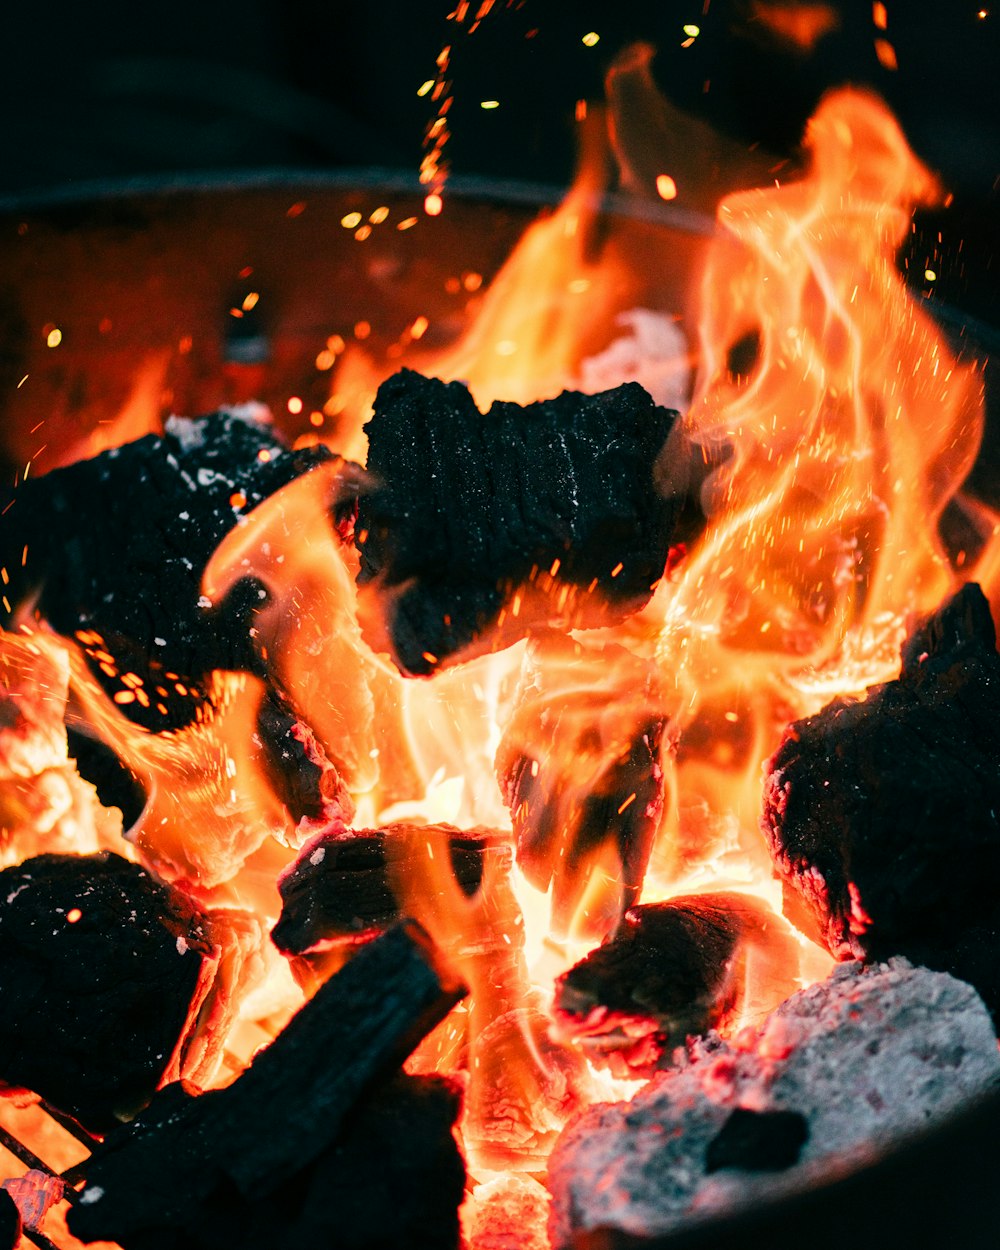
[339, 889]
[478, 526]
[882, 815]
[115, 548]
[672, 970]
[579, 768]
[188, 1156]
[297, 767]
[98, 967]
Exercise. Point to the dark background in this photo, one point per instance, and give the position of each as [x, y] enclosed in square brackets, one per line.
[120, 89]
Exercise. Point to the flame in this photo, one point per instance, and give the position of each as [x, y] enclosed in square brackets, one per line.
[800, 25]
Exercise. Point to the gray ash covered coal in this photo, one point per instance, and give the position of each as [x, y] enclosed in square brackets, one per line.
[98, 967]
[115, 548]
[882, 816]
[467, 508]
[672, 970]
[854, 1064]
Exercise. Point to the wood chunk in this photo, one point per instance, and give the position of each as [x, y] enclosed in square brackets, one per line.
[297, 768]
[117, 546]
[339, 888]
[186, 1155]
[758, 1141]
[883, 816]
[115, 784]
[98, 967]
[579, 769]
[556, 498]
[672, 970]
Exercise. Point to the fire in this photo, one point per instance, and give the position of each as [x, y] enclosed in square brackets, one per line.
[837, 426]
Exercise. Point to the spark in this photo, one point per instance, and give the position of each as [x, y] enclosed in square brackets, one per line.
[22, 381]
[407, 223]
[590, 39]
[433, 204]
[886, 54]
[879, 15]
[251, 300]
[930, 275]
[362, 329]
[350, 220]
[294, 405]
[237, 499]
[263, 455]
[379, 215]
[666, 188]
[489, 104]
[325, 360]
[73, 915]
[54, 337]
[316, 418]
[362, 233]
[425, 87]
[419, 327]
[691, 30]
[296, 209]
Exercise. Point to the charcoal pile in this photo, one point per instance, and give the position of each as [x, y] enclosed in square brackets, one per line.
[479, 526]
[320, 1126]
[882, 816]
[836, 1074]
[102, 963]
[116, 547]
[671, 971]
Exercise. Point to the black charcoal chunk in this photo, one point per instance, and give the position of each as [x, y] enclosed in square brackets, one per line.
[98, 966]
[187, 1160]
[10, 1222]
[297, 767]
[758, 1141]
[672, 970]
[883, 816]
[466, 507]
[116, 547]
[339, 888]
[116, 785]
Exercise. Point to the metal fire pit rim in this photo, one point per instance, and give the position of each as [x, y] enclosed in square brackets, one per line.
[389, 179]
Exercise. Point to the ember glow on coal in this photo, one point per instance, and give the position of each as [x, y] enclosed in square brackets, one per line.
[518, 751]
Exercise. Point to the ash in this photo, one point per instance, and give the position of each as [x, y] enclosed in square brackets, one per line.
[864, 1058]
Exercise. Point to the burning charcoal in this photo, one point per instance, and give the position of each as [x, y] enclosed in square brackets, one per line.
[482, 525]
[672, 970]
[883, 816]
[114, 784]
[862, 1060]
[579, 768]
[10, 1222]
[98, 967]
[186, 1158]
[339, 888]
[758, 1141]
[116, 547]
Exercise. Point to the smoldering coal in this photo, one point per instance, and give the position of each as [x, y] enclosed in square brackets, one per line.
[865, 1058]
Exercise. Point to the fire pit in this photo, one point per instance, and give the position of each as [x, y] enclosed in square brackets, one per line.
[295, 757]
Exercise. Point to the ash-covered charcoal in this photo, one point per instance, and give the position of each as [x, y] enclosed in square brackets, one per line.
[339, 888]
[579, 769]
[98, 967]
[672, 970]
[862, 1059]
[883, 816]
[479, 526]
[114, 547]
[186, 1158]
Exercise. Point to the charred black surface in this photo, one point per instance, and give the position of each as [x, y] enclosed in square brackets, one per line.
[116, 547]
[10, 1222]
[883, 816]
[669, 972]
[186, 1158]
[339, 887]
[467, 505]
[98, 965]
[758, 1141]
[296, 765]
[98, 763]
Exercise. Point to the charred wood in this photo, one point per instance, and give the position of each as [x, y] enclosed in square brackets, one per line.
[10, 1222]
[297, 767]
[115, 784]
[339, 889]
[116, 547]
[98, 967]
[883, 815]
[672, 970]
[185, 1156]
[553, 503]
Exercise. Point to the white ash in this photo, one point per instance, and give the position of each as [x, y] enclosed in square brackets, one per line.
[867, 1057]
[653, 352]
[190, 431]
